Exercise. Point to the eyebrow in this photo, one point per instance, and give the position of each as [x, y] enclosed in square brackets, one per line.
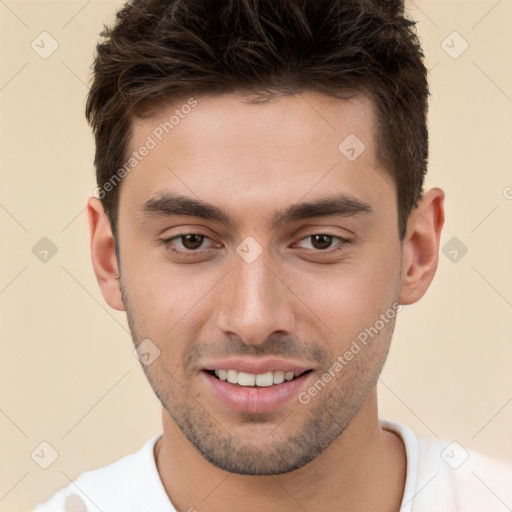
[343, 205]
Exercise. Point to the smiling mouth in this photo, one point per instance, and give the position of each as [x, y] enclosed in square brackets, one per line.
[245, 379]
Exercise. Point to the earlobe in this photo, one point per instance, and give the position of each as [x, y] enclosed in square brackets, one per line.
[103, 254]
[421, 246]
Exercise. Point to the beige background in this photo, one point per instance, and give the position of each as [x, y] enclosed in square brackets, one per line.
[67, 372]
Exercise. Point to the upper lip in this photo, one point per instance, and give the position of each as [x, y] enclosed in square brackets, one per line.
[256, 366]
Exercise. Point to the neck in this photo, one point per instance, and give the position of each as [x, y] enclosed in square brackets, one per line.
[364, 457]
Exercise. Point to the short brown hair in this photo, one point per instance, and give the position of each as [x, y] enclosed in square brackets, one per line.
[159, 50]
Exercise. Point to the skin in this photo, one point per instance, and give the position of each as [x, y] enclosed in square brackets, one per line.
[296, 300]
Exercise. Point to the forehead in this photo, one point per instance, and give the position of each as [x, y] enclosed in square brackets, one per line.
[244, 155]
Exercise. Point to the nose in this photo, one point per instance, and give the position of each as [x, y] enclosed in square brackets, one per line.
[256, 302]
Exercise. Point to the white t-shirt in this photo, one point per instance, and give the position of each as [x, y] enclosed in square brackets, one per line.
[440, 477]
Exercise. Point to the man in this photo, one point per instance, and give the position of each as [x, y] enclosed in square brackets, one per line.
[261, 219]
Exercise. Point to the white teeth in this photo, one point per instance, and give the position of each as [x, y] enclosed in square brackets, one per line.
[249, 379]
[278, 377]
[232, 376]
[246, 379]
[265, 379]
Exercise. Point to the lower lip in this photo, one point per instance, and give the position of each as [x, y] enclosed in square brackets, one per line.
[255, 399]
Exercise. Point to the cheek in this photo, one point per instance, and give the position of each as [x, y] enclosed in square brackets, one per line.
[352, 296]
[159, 290]
[170, 305]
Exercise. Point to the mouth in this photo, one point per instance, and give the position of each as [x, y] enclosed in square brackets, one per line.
[260, 380]
[242, 391]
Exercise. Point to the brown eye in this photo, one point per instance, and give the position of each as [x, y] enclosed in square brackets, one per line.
[192, 241]
[187, 244]
[321, 242]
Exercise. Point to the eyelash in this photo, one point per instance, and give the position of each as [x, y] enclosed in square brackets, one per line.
[194, 253]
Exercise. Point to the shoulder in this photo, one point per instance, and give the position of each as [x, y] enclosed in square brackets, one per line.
[446, 476]
[471, 480]
[116, 486]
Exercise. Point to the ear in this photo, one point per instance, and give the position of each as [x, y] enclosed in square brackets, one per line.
[421, 246]
[103, 254]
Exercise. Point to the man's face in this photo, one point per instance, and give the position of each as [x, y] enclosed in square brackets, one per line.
[262, 292]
